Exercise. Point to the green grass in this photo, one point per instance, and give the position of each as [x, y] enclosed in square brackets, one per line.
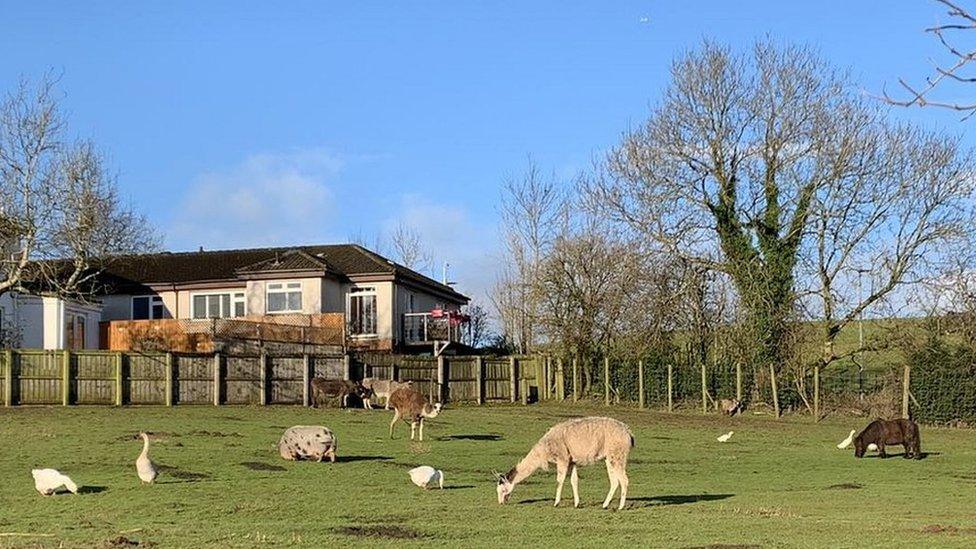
[776, 483]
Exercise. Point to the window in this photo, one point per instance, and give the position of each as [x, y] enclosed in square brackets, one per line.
[220, 305]
[148, 307]
[284, 297]
[362, 311]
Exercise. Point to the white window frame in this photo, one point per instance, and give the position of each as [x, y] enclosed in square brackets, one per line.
[236, 296]
[357, 291]
[152, 298]
[284, 287]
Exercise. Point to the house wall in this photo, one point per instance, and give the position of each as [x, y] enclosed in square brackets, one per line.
[256, 295]
[423, 302]
[40, 321]
[25, 315]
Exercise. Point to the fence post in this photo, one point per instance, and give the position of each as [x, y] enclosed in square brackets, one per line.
[560, 379]
[640, 383]
[8, 377]
[575, 379]
[670, 387]
[738, 381]
[905, 391]
[606, 381]
[704, 391]
[441, 379]
[119, 357]
[216, 380]
[540, 373]
[263, 365]
[513, 378]
[816, 393]
[66, 378]
[394, 372]
[169, 379]
[772, 380]
[306, 379]
[347, 366]
[479, 366]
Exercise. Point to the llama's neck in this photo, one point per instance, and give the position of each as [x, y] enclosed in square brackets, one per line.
[529, 464]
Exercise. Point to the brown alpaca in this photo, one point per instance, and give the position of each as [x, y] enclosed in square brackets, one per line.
[340, 389]
[411, 406]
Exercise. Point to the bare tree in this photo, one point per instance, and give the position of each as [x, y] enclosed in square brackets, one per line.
[410, 250]
[953, 72]
[531, 207]
[62, 220]
[478, 331]
[746, 155]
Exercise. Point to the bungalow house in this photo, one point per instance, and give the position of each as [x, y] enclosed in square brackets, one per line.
[338, 295]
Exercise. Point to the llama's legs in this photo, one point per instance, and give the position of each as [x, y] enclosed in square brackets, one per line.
[413, 429]
[574, 482]
[561, 469]
[624, 481]
[421, 429]
[613, 484]
[396, 417]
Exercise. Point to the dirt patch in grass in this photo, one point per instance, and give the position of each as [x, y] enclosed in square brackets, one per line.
[153, 435]
[942, 529]
[215, 434]
[388, 531]
[261, 466]
[725, 546]
[122, 541]
[846, 486]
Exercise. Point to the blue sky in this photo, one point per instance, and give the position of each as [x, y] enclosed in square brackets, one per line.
[250, 124]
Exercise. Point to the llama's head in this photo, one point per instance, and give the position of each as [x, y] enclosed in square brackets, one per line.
[504, 488]
[434, 410]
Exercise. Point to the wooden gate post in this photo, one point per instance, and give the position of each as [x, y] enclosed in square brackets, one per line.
[816, 393]
[670, 387]
[906, 391]
[575, 379]
[216, 379]
[640, 383]
[66, 378]
[479, 367]
[513, 378]
[606, 381]
[738, 381]
[772, 380]
[441, 379]
[169, 379]
[119, 357]
[704, 391]
[263, 365]
[8, 378]
[306, 380]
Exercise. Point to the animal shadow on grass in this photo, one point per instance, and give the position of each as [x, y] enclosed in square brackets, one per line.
[491, 438]
[457, 487]
[351, 459]
[92, 489]
[182, 476]
[261, 466]
[657, 501]
[923, 455]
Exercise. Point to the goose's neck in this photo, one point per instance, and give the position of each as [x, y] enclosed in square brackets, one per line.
[145, 446]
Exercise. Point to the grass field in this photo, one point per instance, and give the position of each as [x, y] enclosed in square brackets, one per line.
[776, 483]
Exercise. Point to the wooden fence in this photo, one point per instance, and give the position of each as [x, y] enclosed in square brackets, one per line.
[154, 378]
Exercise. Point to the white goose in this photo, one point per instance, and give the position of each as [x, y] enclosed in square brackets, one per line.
[847, 441]
[144, 466]
[49, 481]
[725, 437]
[424, 475]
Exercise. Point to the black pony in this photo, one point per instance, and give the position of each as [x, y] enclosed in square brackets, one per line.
[883, 432]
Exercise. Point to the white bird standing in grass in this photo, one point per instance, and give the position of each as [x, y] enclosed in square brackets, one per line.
[49, 481]
[847, 441]
[725, 437]
[144, 466]
[424, 475]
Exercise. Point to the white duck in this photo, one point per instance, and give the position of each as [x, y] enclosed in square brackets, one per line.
[847, 441]
[144, 466]
[725, 437]
[49, 481]
[424, 475]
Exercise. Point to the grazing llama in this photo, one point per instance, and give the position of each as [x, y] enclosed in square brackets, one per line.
[571, 444]
[382, 389]
[411, 406]
[144, 466]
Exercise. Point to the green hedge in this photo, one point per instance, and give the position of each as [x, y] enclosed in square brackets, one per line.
[944, 382]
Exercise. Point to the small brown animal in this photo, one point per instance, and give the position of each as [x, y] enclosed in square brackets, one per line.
[411, 406]
[340, 389]
[881, 432]
[729, 406]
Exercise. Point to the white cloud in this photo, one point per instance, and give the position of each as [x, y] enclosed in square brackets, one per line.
[268, 199]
